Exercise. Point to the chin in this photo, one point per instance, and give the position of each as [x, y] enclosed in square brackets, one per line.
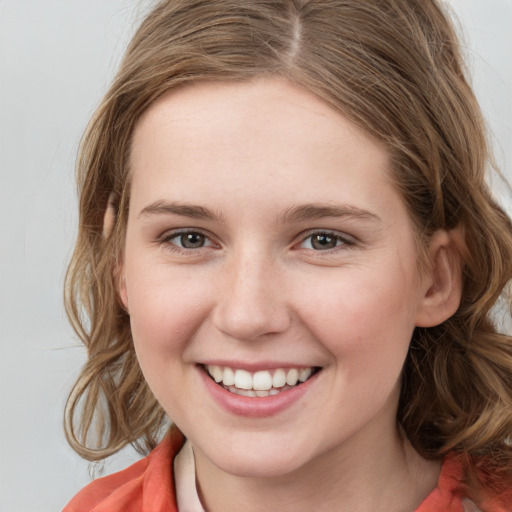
[262, 459]
[259, 467]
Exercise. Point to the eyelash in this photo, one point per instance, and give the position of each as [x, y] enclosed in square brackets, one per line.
[344, 240]
[340, 240]
[168, 237]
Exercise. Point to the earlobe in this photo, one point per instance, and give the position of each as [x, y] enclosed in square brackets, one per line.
[442, 289]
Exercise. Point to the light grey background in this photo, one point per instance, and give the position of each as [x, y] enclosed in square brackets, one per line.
[56, 59]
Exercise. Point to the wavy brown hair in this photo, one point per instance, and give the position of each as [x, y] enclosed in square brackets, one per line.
[393, 67]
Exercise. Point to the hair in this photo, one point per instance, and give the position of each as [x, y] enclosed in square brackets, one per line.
[392, 67]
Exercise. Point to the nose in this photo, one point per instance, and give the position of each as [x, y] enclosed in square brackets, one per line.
[251, 301]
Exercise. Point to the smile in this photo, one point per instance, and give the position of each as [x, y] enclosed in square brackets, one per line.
[262, 383]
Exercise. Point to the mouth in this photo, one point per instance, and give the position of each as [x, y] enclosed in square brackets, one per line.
[261, 383]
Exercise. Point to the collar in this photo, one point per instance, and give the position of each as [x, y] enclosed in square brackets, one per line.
[187, 497]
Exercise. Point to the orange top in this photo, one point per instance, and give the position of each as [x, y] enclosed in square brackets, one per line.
[147, 486]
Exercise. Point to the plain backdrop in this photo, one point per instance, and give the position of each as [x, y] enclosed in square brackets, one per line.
[56, 60]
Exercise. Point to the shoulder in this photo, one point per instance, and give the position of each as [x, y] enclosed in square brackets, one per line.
[451, 493]
[496, 485]
[144, 486]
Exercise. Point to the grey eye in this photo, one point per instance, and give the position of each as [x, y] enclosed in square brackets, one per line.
[323, 241]
[191, 240]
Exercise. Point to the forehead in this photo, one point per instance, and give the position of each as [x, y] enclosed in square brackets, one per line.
[242, 138]
[270, 103]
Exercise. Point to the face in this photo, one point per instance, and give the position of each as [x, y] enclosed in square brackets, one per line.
[270, 273]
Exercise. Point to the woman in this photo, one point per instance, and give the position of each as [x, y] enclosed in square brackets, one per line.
[287, 247]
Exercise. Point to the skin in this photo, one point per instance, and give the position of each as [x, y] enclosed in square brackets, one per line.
[256, 291]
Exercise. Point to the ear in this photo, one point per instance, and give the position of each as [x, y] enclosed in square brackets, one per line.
[110, 216]
[121, 288]
[109, 221]
[442, 283]
[120, 283]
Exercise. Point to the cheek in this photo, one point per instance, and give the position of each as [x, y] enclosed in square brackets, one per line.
[165, 314]
[166, 308]
[364, 313]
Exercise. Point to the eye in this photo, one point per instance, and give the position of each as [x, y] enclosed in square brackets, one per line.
[187, 240]
[191, 240]
[324, 241]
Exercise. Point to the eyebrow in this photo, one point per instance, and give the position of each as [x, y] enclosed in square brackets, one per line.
[319, 211]
[291, 215]
[182, 209]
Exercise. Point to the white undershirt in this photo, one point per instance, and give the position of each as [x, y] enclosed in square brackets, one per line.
[187, 498]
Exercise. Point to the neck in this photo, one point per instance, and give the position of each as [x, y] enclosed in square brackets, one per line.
[386, 475]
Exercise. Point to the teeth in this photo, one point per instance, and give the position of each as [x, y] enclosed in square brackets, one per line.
[261, 394]
[292, 377]
[261, 383]
[304, 374]
[229, 377]
[243, 379]
[216, 373]
[279, 378]
[247, 392]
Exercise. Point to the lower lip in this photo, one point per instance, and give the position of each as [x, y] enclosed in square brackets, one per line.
[255, 407]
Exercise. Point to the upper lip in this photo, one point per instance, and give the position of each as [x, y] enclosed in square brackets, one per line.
[256, 366]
